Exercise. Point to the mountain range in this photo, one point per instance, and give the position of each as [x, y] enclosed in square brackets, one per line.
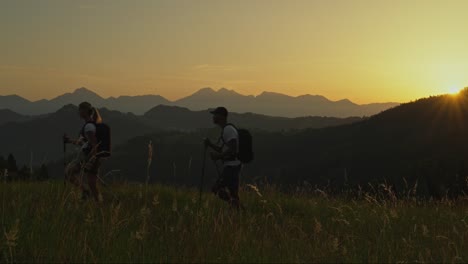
[267, 103]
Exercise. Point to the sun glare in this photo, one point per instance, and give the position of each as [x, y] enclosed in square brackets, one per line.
[454, 90]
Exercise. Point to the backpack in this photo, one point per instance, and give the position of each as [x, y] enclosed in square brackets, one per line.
[103, 136]
[245, 152]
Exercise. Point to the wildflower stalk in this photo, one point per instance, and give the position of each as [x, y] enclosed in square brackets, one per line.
[148, 167]
[11, 238]
[5, 174]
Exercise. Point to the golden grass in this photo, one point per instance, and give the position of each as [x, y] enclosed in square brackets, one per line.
[47, 222]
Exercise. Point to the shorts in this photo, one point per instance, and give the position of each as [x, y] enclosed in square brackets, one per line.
[92, 167]
[229, 179]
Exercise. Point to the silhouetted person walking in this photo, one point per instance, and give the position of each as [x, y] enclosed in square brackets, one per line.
[88, 162]
[226, 150]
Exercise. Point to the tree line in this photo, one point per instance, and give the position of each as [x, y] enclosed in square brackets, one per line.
[10, 171]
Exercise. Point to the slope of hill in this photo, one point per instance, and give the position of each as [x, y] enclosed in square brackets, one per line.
[267, 103]
[7, 116]
[422, 142]
[16, 104]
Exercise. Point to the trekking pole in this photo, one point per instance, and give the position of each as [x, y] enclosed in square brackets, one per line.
[107, 185]
[202, 177]
[217, 169]
[64, 161]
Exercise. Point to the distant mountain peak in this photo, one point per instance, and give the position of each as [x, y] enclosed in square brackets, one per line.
[206, 90]
[82, 89]
[229, 92]
[67, 108]
[165, 109]
[80, 94]
[169, 107]
[85, 91]
[272, 94]
[312, 95]
[15, 97]
[211, 91]
[345, 101]
[225, 90]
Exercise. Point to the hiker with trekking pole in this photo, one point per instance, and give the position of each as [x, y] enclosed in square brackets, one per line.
[233, 148]
[94, 141]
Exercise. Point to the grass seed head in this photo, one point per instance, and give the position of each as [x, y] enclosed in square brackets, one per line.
[174, 205]
[155, 200]
[317, 227]
[150, 153]
[255, 189]
[11, 236]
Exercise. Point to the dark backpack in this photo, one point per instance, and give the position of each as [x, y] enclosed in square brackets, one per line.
[245, 152]
[103, 136]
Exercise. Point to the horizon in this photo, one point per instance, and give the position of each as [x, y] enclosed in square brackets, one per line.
[364, 51]
[71, 91]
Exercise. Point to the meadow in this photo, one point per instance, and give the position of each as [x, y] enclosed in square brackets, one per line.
[48, 222]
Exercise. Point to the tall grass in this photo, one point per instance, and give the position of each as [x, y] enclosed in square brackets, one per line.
[47, 222]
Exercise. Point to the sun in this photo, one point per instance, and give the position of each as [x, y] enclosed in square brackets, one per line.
[454, 90]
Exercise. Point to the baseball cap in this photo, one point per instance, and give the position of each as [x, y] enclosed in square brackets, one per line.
[220, 111]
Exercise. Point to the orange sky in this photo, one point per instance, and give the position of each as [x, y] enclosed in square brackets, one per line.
[367, 51]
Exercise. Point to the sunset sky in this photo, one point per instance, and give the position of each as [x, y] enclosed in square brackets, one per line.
[367, 51]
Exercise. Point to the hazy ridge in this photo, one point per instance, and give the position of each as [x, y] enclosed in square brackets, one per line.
[267, 103]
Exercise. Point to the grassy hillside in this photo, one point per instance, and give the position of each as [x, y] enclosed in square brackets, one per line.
[47, 222]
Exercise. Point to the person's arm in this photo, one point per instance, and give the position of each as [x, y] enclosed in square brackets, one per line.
[230, 151]
[215, 147]
[77, 142]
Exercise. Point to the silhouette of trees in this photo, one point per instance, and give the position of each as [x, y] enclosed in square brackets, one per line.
[3, 163]
[24, 173]
[42, 173]
[11, 164]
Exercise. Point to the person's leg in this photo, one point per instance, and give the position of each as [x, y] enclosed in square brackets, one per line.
[234, 187]
[92, 182]
[220, 187]
[92, 173]
[223, 194]
[73, 172]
